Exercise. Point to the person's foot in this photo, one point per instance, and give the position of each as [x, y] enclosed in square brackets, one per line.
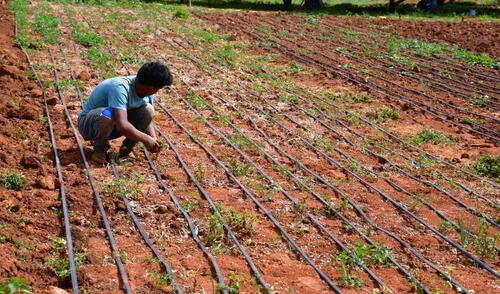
[100, 158]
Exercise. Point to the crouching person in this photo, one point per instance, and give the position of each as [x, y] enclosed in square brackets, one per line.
[123, 106]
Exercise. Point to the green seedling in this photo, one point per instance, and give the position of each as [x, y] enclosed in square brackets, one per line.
[47, 25]
[13, 181]
[434, 137]
[85, 37]
[488, 166]
[189, 205]
[14, 285]
[384, 115]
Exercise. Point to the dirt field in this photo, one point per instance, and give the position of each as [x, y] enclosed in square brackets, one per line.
[301, 154]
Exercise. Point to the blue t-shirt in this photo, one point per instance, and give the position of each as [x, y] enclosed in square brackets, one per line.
[116, 93]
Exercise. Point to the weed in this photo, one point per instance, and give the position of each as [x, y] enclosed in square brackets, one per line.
[222, 119]
[149, 259]
[85, 37]
[480, 101]
[424, 162]
[484, 244]
[129, 187]
[445, 226]
[197, 101]
[384, 114]
[241, 141]
[13, 181]
[241, 222]
[475, 59]
[199, 172]
[350, 282]
[43, 119]
[60, 266]
[189, 205]
[5, 238]
[227, 55]
[488, 166]
[14, 285]
[214, 235]
[99, 58]
[47, 26]
[181, 13]
[162, 279]
[239, 168]
[463, 230]
[432, 136]
[123, 256]
[234, 283]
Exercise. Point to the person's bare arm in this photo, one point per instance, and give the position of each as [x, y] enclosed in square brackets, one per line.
[128, 130]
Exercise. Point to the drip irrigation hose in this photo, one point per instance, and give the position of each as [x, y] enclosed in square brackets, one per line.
[109, 232]
[437, 59]
[374, 225]
[376, 87]
[192, 227]
[276, 185]
[392, 72]
[215, 211]
[323, 276]
[64, 200]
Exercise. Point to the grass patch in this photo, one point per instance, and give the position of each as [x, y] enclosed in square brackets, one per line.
[384, 115]
[47, 26]
[85, 37]
[14, 285]
[13, 181]
[488, 166]
[181, 13]
[433, 137]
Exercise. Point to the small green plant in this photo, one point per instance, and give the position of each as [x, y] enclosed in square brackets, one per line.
[234, 283]
[239, 168]
[189, 205]
[485, 245]
[350, 282]
[384, 114]
[85, 37]
[488, 166]
[14, 285]
[480, 101]
[241, 222]
[214, 234]
[162, 279]
[149, 259]
[181, 13]
[199, 172]
[242, 141]
[434, 137]
[13, 181]
[47, 25]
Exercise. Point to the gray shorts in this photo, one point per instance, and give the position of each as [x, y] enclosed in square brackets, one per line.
[98, 128]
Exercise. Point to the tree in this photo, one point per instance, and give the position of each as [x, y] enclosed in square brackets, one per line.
[393, 4]
[313, 4]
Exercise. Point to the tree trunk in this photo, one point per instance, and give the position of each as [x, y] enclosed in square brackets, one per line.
[392, 6]
[313, 4]
[288, 4]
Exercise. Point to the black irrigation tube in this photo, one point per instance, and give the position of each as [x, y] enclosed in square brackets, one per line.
[193, 229]
[371, 187]
[323, 276]
[415, 178]
[438, 59]
[381, 193]
[109, 232]
[431, 69]
[215, 211]
[384, 91]
[360, 211]
[273, 183]
[125, 198]
[403, 73]
[396, 138]
[378, 156]
[64, 199]
[351, 76]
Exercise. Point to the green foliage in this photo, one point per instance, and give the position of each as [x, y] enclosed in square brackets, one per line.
[129, 186]
[99, 58]
[181, 13]
[476, 59]
[349, 281]
[385, 114]
[488, 166]
[85, 37]
[199, 172]
[47, 25]
[239, 168]
[241, 222]
[162, 279]
[60, 266]
[13, 181]
[14, 285]
[214, 234]
[227, 55]
[189, 205]
[485, 245]
[480, 101]
[243, 142]
[234, 283]
[348, 97]
[432, 136]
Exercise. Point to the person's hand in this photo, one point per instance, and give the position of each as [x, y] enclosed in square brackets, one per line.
[152, 145]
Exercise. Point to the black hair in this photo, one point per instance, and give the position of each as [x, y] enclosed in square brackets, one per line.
[154, 74]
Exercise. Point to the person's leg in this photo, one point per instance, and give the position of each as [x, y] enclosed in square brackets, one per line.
[140, 118]
[97, 128]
